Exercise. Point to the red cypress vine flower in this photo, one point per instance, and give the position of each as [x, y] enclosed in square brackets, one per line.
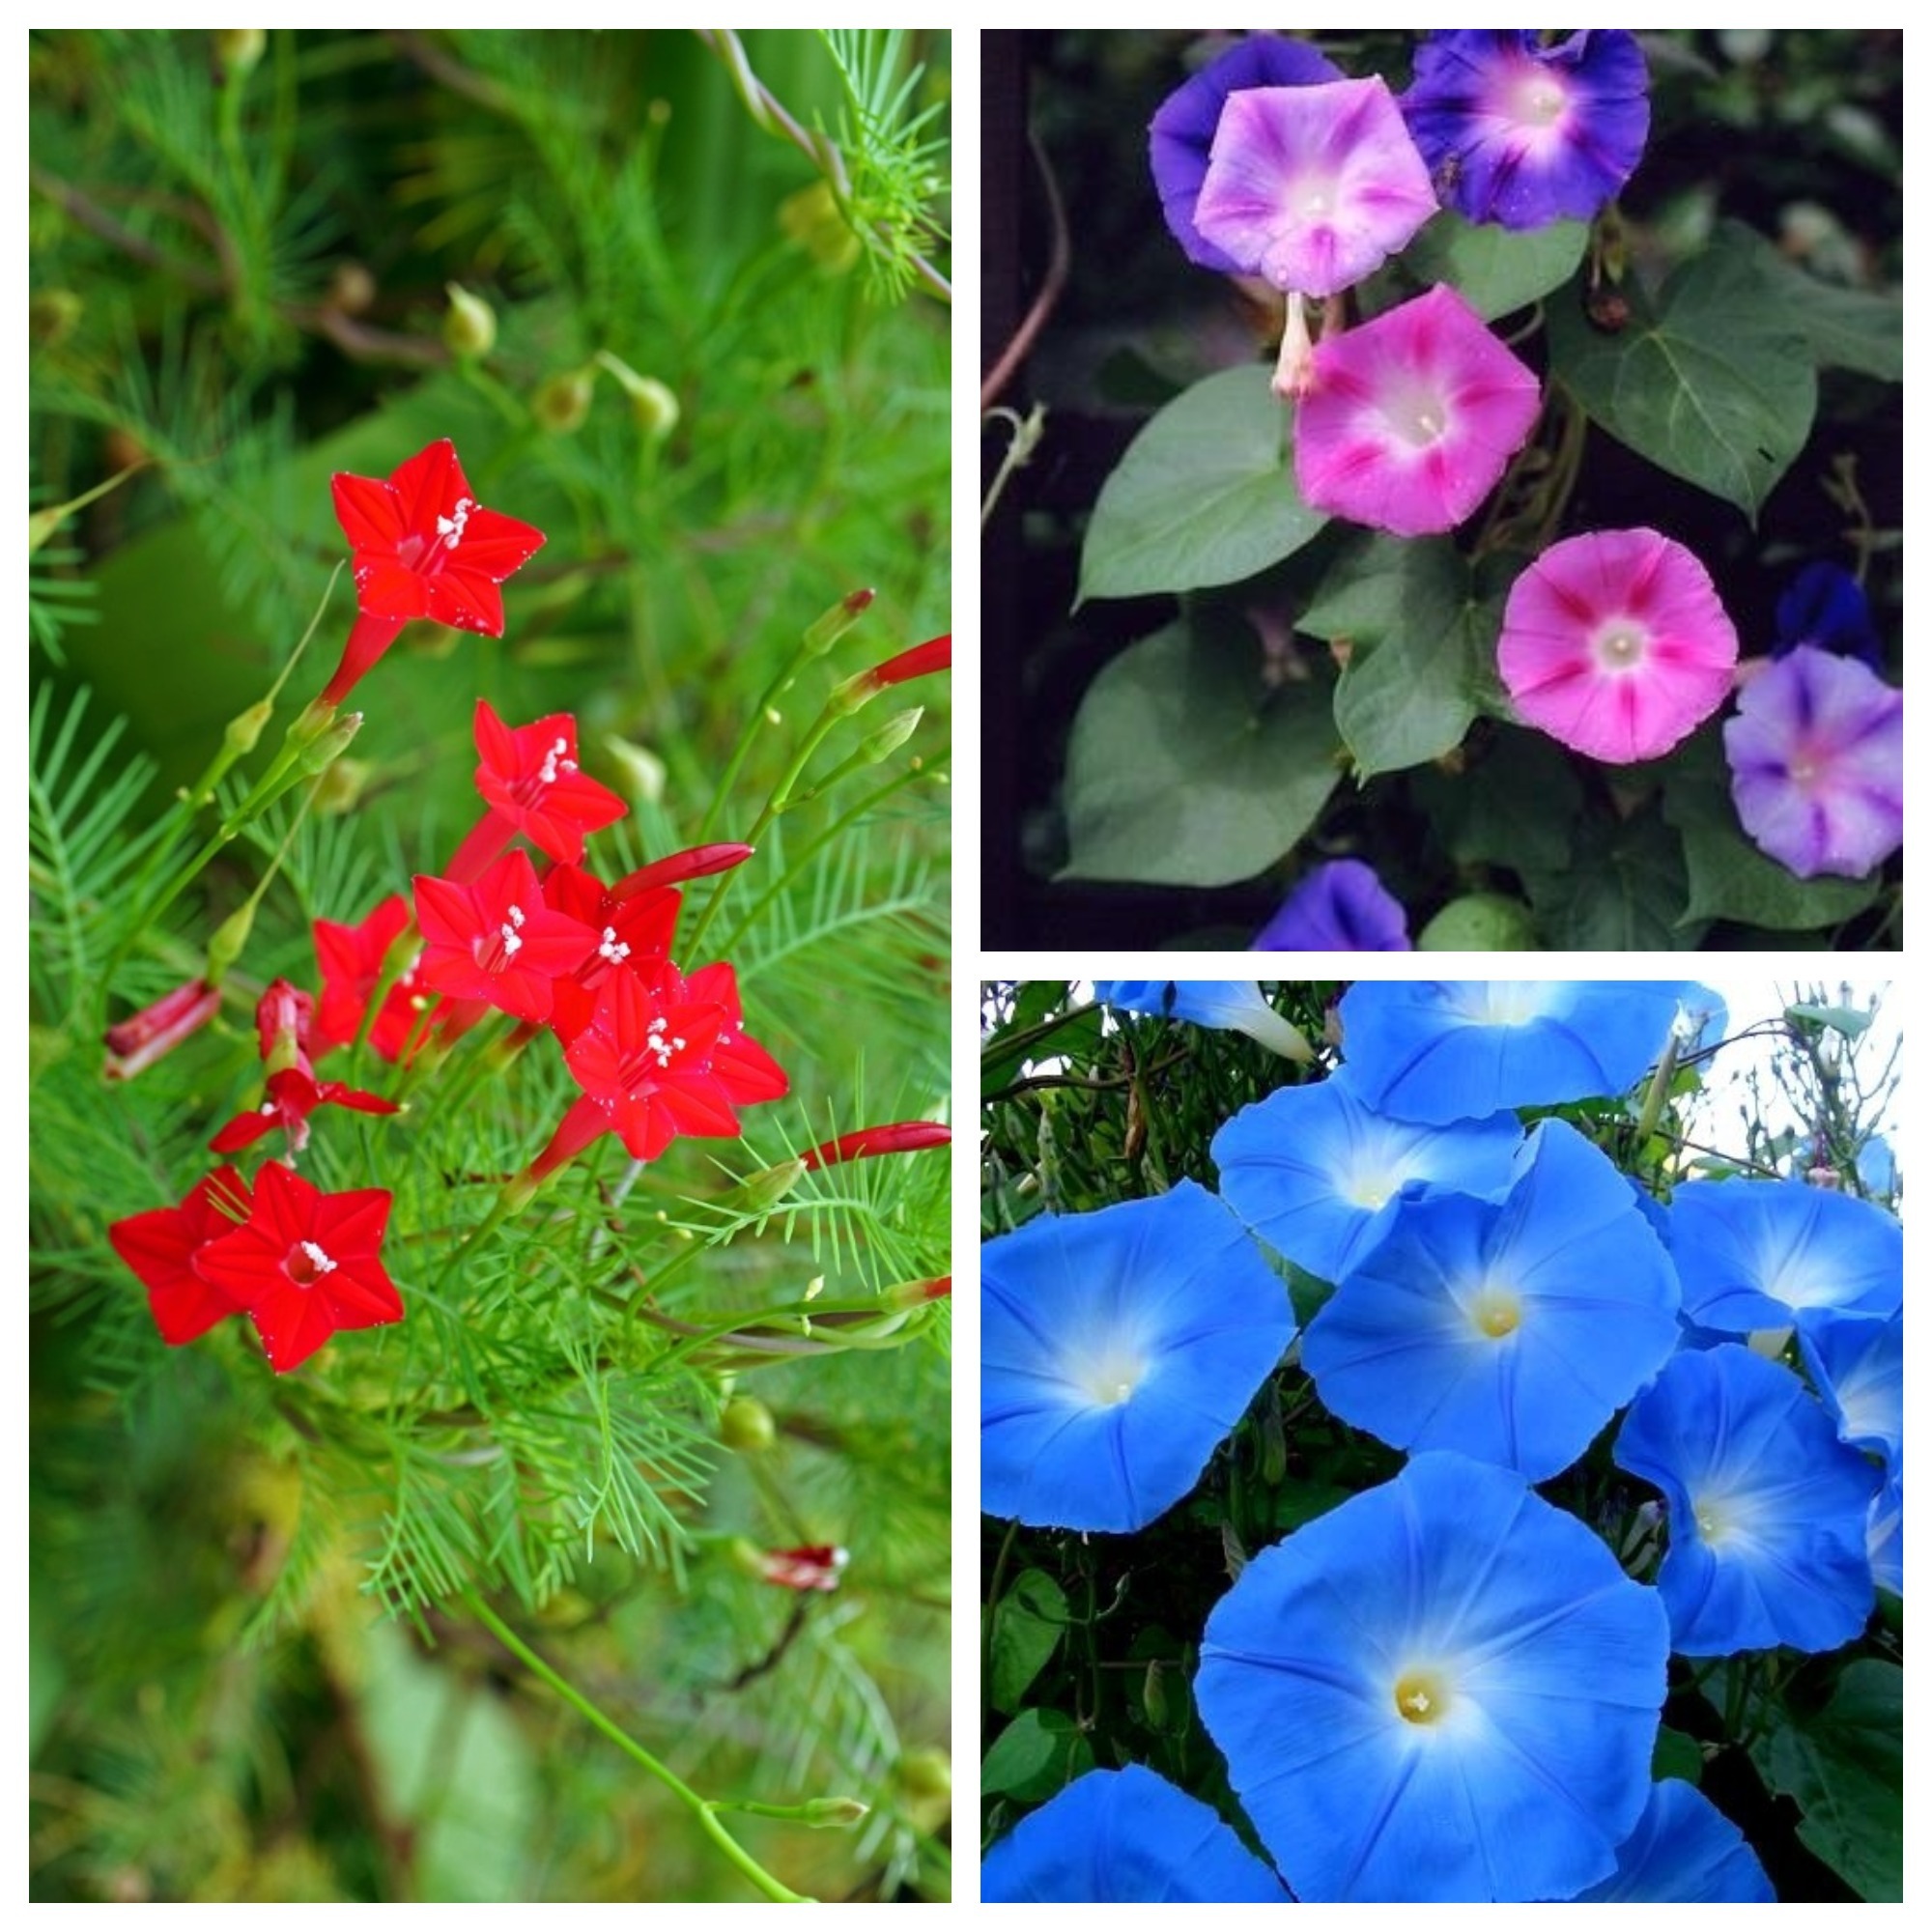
[498, 940]
[163, 1245]
[282, 1017]
[530, 780]
[634, 935]
[813, 1566]
[695, 862]
[136, 1043]
[306, 1266]
[935, 654]
[351, 958]
[422, 547]
[899, 1137]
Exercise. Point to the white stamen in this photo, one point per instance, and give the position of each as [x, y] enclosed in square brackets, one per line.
[268, 1107]
[450, 528]
[318, 1259]
[612, 948]
[556, 761]
[512, 945]
[517, 917]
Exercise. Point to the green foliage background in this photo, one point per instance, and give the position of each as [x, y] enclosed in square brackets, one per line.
[251, 1673]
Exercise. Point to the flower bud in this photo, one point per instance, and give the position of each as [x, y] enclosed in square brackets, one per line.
[890, 735]
[654, 405]
[239, 737]
[916, 1294]
[823, 632]
[142, 1038]
[747, 1426]
[862, 1143]
[230, 937]
[468, 324]
[342, 785]
[324, 751]
[351, 289]
[562, 403]
[812, 218]
[765, 1189]
[238, 50]
[925, 1772]
[832, 1814]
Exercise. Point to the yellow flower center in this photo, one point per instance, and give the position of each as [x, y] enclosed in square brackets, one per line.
[1422, 1695]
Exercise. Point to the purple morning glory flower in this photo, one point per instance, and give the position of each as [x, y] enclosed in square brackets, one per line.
[1116, 1349]
[1183, 131]
[1524, 134]
[1817, 756]
[1313, 187]
[1125, 1836]
[1756, 1254]
[1825, 607]
[1444, 1689]
[1316, 1175]
[1339, 907]
[1768, 1508]
[1684, 1852]
[1510, 1327]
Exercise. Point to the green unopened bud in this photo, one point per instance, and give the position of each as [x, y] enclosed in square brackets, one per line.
[42, 523]
[644, 772]
[324, 751]
[833, 1814]
[238, 50]
[746, 1425]
[562, 403]
[242, 733]
[1153, 1694]
[861, 688]
[813, 220]
[822, 633]
[890, 735]
[746, 1555]
[225, 948]
[654, 407]
[925, 1772]
[468, 324]
[766, 1188]
[340, 791]
[52, 316]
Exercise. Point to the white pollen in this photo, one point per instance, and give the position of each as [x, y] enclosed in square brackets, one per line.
[450, 528]
[318, 1259]
[517, 917]
[1418, 1701]
[612, 948]
[556, 760]
[268, 1107]
[512, 945]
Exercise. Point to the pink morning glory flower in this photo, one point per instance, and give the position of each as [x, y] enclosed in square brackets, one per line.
[1522, 133]
[1817, 757]
[1411, 419]
[1313, 187]
[1615, 644]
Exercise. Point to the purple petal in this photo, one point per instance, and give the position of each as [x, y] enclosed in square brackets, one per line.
[1339, 907]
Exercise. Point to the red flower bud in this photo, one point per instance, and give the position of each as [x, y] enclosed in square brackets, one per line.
[900, 1137]
[137, 1042]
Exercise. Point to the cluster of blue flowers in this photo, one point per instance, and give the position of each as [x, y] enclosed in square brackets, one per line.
[1448, 1688]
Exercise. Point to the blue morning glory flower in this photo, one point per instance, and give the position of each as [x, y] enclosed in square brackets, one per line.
[1182, 134]
[1236, 1005]
[1444, 1689]
[1125, 1836]
[1754, 1253]
[1339, 907]
[1118, 1349]
[1878, 1168]
[1884, 1537]
[1767, 1507]
[1825, 607]
[1510, 1328]
[1524, 134]
[1684, 1852]
[1858, 1366]
[1316, 1174]
[1439, 1051]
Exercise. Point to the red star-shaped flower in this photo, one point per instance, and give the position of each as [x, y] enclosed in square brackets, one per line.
[530, 778]
[163, 1247]
[351, 958]
[306, 1264]
[498, 940]
[293, 1095]
[424, 547]
[634, 935]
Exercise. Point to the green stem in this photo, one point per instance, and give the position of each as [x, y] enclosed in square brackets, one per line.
[706, 1814]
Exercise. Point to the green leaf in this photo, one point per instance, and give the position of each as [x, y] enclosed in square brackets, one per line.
[1027, 1623]
[1515, 805]
[1715, 385]
[1847, 329]
[1494, 268]
[1845, 1766]
[1729, 877]
[1185, 769]
[1423, 637]
[1624, 891]
[1676, 1755]
[1039, 1753]
[1205, 495]
[1846, 1020]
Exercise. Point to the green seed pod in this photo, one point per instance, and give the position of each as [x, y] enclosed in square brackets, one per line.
[832, 1814]
[238, 50]
[925, 1774]
[469, 325]
[747, 1426]
[230, 936]
[246, 729]
[562, 403]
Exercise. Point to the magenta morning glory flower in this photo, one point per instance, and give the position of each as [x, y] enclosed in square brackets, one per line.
[1522, 133]
[1445, 1689]
[1411, 419]
[1768, 1508]
[1183, 131]
[1817, 755]
[1313, 187]
[1339, 907]
[1615, 644]
[1125, 1836]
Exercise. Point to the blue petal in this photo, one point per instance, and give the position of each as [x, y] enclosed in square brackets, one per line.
[1539, 1668]
[1768, 1508]
[1236, 1005]
[1858, 1366]
[1509, 1329]
[1684, 1852]
[1118, 1349]
[1339, 907]
[1884, 1537]
[1182, 129]
[1125, 1836]
[1436, 1051]
[1754, 1253]
[1315, 1172]
[1826, 608]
